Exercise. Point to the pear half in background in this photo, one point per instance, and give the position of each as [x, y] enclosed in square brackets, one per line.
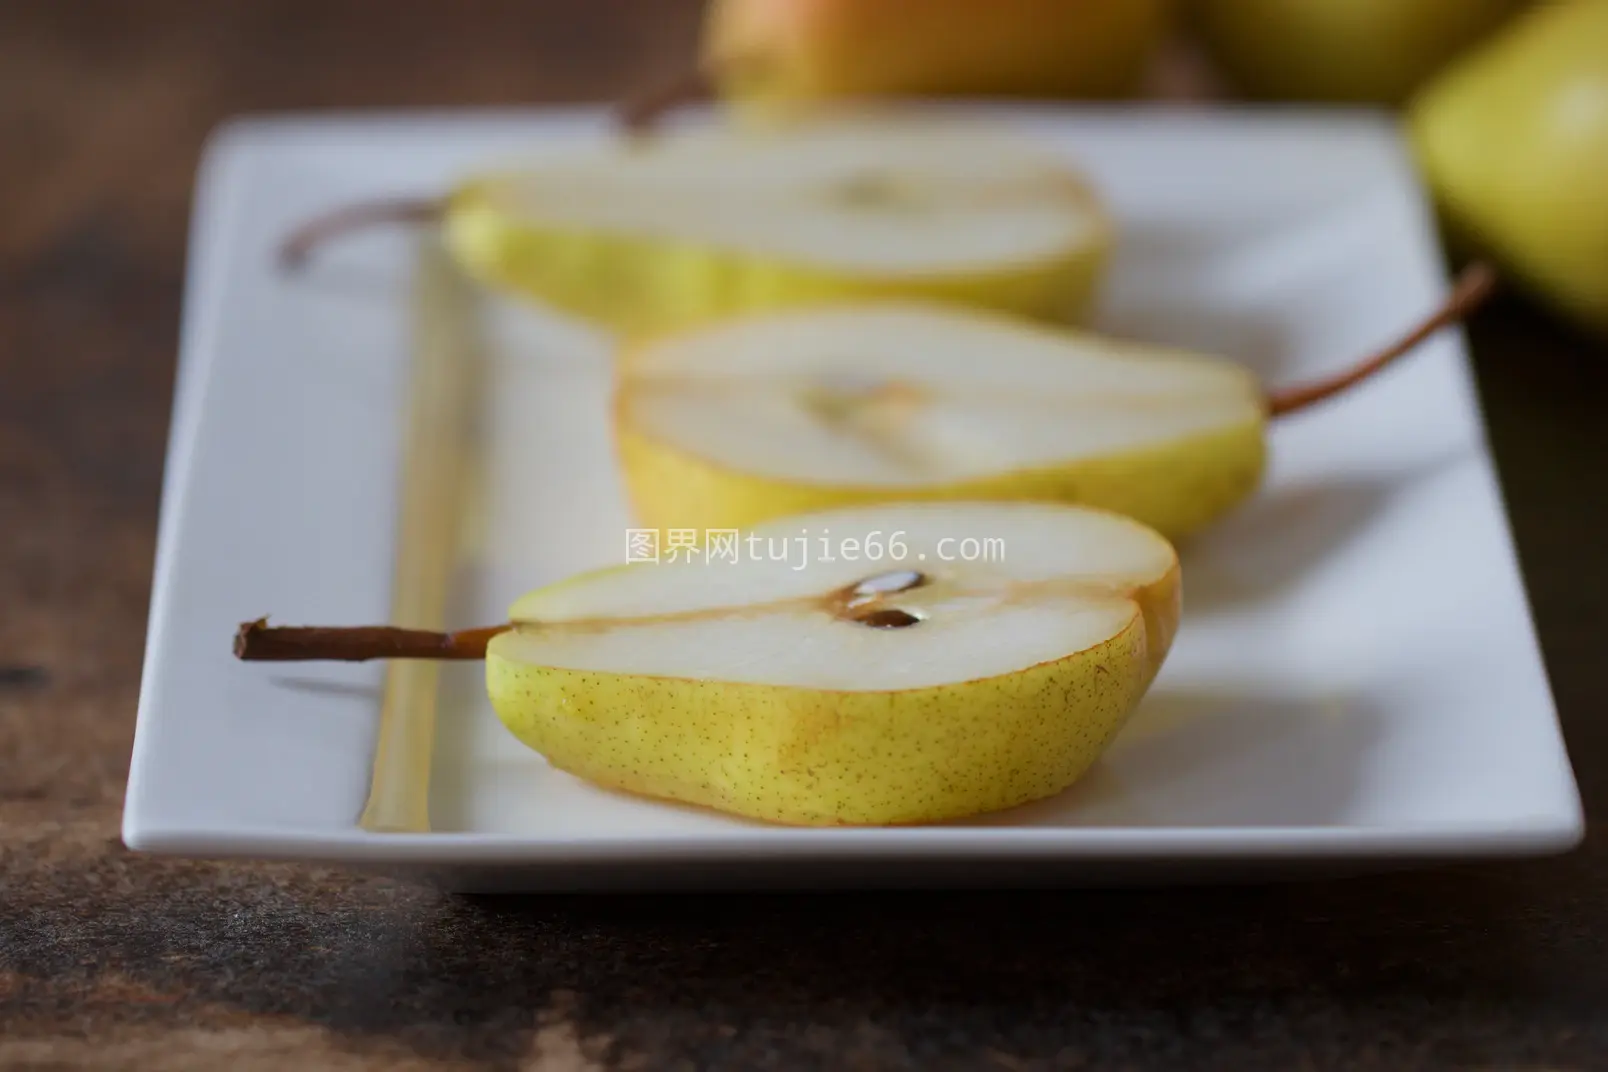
[824, 688]
[809, 409]
[699, 223]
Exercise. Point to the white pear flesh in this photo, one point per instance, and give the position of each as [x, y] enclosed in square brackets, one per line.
[879, 401]
[762, 688]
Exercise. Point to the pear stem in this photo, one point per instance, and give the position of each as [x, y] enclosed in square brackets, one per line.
[301, 242]
[639, 114]
[1472, 288]
[259, 642]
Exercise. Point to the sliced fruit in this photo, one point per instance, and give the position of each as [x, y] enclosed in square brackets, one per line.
[697, 223]
[780, 414]
[805, 683]
[903, 401]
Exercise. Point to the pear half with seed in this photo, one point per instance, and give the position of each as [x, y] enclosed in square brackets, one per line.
[775, 415]
[984, 658]
[802, 410]
[699, 223]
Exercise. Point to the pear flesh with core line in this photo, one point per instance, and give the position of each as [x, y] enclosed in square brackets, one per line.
[694, 225]
[807, 410]
[850, 691]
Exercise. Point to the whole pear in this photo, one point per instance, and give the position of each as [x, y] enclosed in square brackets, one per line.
[1359, 51]
[767, 54]
[1514, 141]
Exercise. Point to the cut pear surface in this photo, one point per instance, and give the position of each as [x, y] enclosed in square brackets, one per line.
[984, 659]
[808, 409]
[703, 222]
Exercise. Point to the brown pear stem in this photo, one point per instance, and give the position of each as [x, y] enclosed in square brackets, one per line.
[320, 229]
[259, 642]
[1473, 287]
[639, 114]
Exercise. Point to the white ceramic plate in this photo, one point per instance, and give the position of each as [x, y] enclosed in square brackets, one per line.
[1356, 682]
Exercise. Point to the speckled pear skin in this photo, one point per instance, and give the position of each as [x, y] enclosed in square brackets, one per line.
[813, 757]
[641, 286]
[1177, 488]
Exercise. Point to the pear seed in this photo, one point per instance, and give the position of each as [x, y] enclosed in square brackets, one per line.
[887, 618]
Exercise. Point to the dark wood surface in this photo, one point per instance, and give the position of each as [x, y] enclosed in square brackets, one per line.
[110, 960]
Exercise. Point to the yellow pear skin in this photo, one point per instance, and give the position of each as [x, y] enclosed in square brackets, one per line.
[1176, 489]
[1514, 142]
[800, 757]
[768, 56]
[1353, 51]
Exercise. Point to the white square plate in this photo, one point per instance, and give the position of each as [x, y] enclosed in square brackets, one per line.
[1356, 681]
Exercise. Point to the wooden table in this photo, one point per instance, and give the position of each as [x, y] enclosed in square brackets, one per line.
[108, 960]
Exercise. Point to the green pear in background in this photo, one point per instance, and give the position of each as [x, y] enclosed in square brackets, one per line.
[1514, 141]
[1357, 51]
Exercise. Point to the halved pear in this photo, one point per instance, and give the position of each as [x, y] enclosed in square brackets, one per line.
[983, 658]
[810, 409]
[699, 223]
